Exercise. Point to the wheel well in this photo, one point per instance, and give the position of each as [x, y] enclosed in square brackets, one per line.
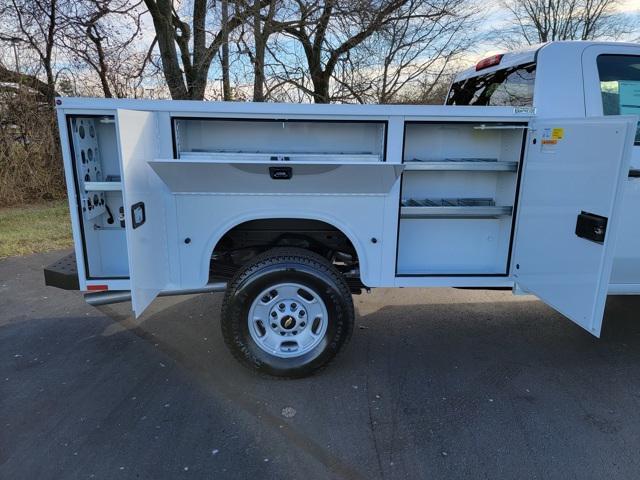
[246, 240]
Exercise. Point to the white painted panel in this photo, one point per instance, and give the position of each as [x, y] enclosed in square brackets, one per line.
[582, 171]
[453, 246]
[205, 218]
[146, 244]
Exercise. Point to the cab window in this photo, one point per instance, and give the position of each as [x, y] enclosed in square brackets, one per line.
[507, 87]
[620, 85]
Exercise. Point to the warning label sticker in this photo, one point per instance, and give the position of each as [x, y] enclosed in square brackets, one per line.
[550, 139]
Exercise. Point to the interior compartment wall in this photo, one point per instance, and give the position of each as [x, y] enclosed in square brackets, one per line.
[279, 137]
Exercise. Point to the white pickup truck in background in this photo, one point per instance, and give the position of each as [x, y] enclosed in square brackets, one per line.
[571, 79]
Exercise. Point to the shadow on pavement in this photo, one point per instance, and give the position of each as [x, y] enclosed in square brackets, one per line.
[498, 389]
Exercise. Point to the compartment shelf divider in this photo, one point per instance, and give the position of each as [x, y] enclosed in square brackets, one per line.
[279, 156]
[455, 212]
[480, 164]
[453, 208]
[103, 186]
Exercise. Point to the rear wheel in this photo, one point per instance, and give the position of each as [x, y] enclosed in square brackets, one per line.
[287, 313]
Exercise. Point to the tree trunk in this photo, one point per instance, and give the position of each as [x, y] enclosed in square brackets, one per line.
[168, 53]
[260, 46]
[321, 87]
[227, 94]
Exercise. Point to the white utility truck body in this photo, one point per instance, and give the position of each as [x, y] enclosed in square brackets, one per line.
[173, 197]
[573, 79]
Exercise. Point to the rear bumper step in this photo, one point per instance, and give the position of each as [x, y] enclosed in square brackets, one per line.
[63, 273]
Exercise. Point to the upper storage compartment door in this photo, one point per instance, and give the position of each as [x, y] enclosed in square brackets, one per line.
[568, 214]
[143, 207]
[277, 177]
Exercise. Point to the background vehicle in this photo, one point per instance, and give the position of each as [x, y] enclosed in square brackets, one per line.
[571, 79]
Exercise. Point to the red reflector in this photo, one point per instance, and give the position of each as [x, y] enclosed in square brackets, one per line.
[489, 61]
[97, 288]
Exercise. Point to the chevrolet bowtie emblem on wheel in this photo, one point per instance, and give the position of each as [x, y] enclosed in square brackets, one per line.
[288, 322]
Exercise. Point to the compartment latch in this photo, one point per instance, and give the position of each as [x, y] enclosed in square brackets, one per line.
[591, 227]
[280, 173]
[138, 216]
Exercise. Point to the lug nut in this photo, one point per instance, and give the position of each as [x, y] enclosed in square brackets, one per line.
[294, 306]
[302, 324]
[281, 306]
[301, 313]
[273, 325]
[274, 314]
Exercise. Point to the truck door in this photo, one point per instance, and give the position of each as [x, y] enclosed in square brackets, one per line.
[568, 212]
[144, 210]
[612, 87]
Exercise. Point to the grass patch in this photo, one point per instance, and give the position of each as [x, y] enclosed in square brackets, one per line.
[34, 228]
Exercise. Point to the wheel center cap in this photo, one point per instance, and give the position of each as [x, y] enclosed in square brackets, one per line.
[288, 322]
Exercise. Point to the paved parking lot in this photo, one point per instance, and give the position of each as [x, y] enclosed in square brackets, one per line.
[435, 384]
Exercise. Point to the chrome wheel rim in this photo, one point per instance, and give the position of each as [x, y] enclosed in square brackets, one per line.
[287, 320]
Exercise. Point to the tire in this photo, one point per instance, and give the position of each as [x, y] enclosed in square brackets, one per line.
[287, 313]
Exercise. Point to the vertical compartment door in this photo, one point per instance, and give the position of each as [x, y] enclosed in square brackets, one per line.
[143, 207]
[568, 213]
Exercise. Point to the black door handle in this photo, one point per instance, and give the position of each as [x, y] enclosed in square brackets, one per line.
[280, 173]
[138, 215]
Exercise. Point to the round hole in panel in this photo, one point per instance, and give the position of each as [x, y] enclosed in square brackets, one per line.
[92, 131]
[81, 131]
[84, 158]
[90, 154]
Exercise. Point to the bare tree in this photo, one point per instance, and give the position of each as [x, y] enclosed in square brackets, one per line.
[224, 56]
[328, 30]
[411, 52]
[353, 47]
[188, 43]
[537, 21]
[33, 26]
[104, 35]
[253, 42]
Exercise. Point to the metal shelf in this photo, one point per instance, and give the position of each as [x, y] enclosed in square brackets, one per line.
[455, 212]
[103, 186]
[461, 164]
[279, 156]
[453, 208]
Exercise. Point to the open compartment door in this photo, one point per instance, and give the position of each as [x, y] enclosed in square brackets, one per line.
[568, 213]
[144, 209]
[277, 177]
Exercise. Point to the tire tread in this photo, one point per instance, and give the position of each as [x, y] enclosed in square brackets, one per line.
[285, 255]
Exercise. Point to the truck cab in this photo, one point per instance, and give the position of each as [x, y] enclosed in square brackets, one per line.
[571, 79]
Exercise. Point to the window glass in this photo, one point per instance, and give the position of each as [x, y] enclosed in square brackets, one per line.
[620, 85]
[507, 87]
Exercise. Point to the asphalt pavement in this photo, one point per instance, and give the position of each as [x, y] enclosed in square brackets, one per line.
[437, 383]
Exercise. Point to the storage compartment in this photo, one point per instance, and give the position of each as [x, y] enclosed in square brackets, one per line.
[99, 187]
[458, 197]
[295, 140]
[456, 246]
